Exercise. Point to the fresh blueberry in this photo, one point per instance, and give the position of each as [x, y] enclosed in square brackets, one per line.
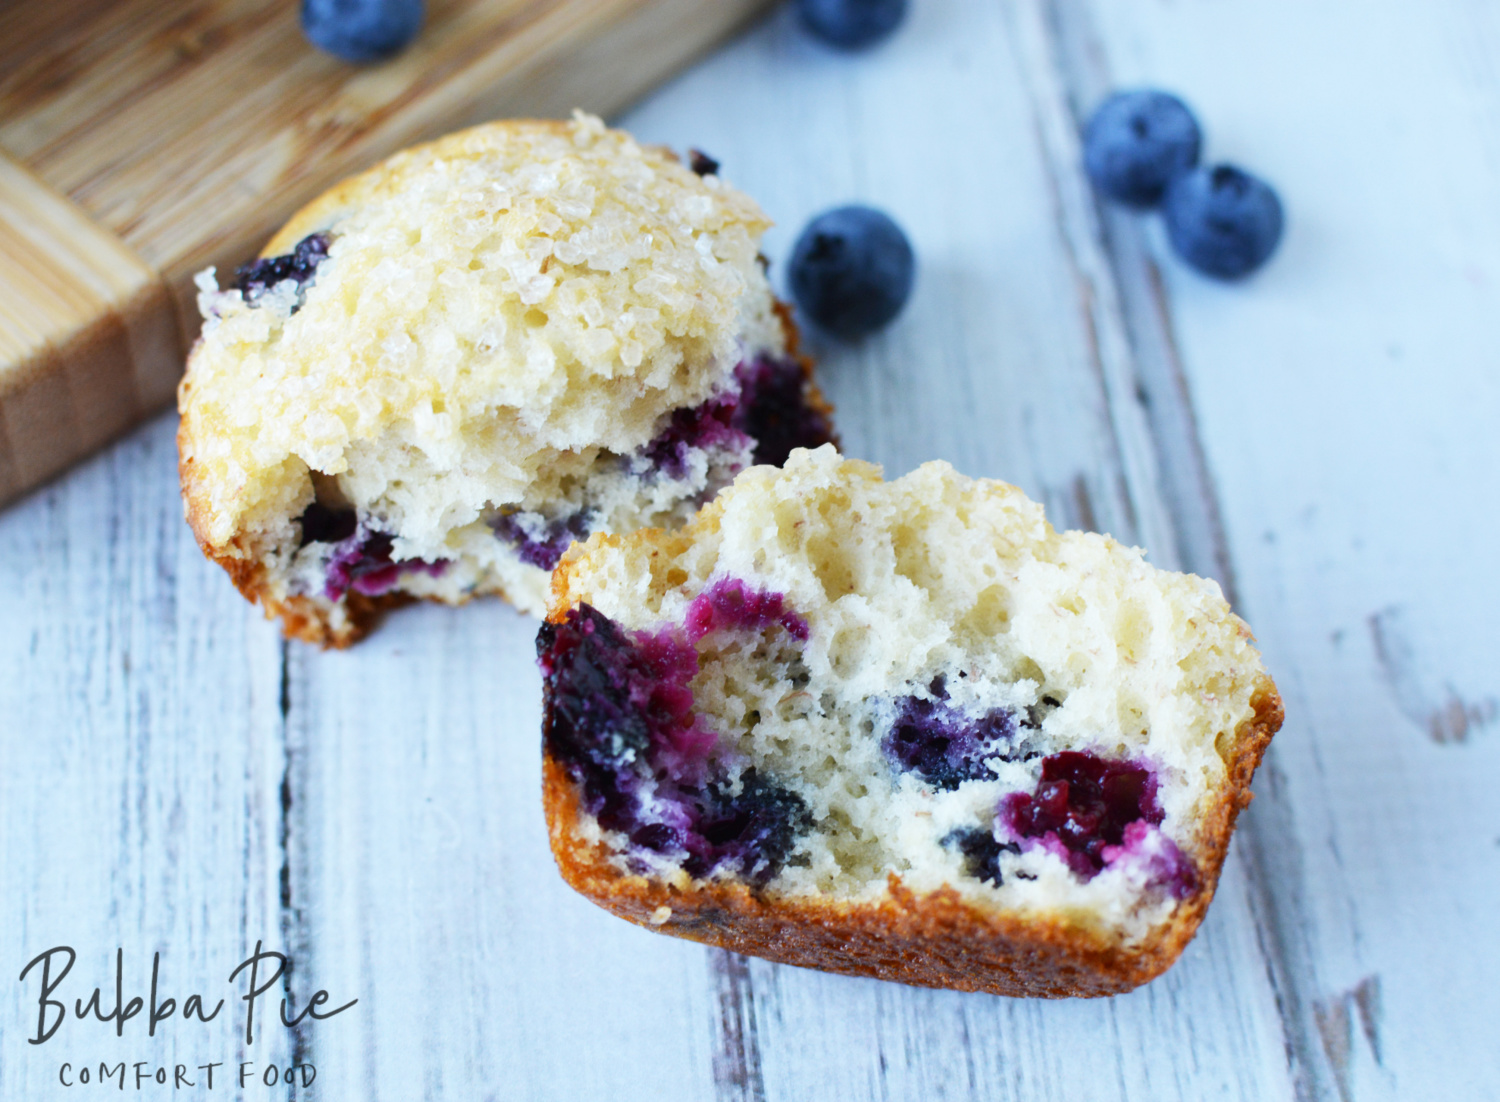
[361, 30]
[851, 24]
[1136, 142]
[851, 270]
[1222, 220]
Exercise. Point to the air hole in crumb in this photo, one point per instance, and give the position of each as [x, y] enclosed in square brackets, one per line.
[1027, 670]
[1132, 631]
[328, 492]
[833, 567]
[913, 556]
[535, 318]
[847, 651]
[990, 614]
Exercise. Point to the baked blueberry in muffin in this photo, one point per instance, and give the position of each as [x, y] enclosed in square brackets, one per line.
[900, 729]
[445, 370]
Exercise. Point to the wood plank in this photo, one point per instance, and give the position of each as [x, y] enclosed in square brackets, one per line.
[1347, 398]
[140, 759]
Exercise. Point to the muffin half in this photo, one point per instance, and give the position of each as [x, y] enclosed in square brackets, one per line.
[444, 370]
[898, 729]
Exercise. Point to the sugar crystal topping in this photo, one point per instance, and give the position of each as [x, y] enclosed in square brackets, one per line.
[491, 305]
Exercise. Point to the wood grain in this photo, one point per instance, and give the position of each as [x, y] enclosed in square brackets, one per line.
[160, 139]
[86, 348]
[1365, 350]
[1319, 438]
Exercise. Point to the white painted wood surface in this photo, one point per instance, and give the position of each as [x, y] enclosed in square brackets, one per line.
[175, 779]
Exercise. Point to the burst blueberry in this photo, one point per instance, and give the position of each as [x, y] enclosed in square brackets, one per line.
[851, 24]
[360, 558]
[299, 265]
[1222, 220]
[852, 270]
[981, 853]
[730, 605]
[619, 708]
[361, 30]
[751, 833]
[1085, 803]
[363, 562]
[538, 541]
[593, 727]
[320, 524]
[771, 409]
[1136, 142]
[943, 746]
[706, 427]
[774, 410]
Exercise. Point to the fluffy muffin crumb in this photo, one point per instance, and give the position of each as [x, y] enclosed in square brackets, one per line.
[904, 729]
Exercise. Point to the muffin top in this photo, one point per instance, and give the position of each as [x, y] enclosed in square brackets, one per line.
[467, 319]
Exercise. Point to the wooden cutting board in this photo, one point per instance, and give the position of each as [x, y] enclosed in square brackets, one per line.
[142, 140]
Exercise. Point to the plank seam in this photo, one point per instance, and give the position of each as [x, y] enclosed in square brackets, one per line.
[736, 1060]
[1178, 489]
[295, 937]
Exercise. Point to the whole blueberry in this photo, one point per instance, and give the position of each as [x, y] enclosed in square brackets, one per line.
[851, 270]
[1136, 142]
[361, 30]
[1222, 220]
[851, 24]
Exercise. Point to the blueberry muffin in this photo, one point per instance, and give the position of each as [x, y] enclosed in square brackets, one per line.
[903, 730]
[445, 370]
